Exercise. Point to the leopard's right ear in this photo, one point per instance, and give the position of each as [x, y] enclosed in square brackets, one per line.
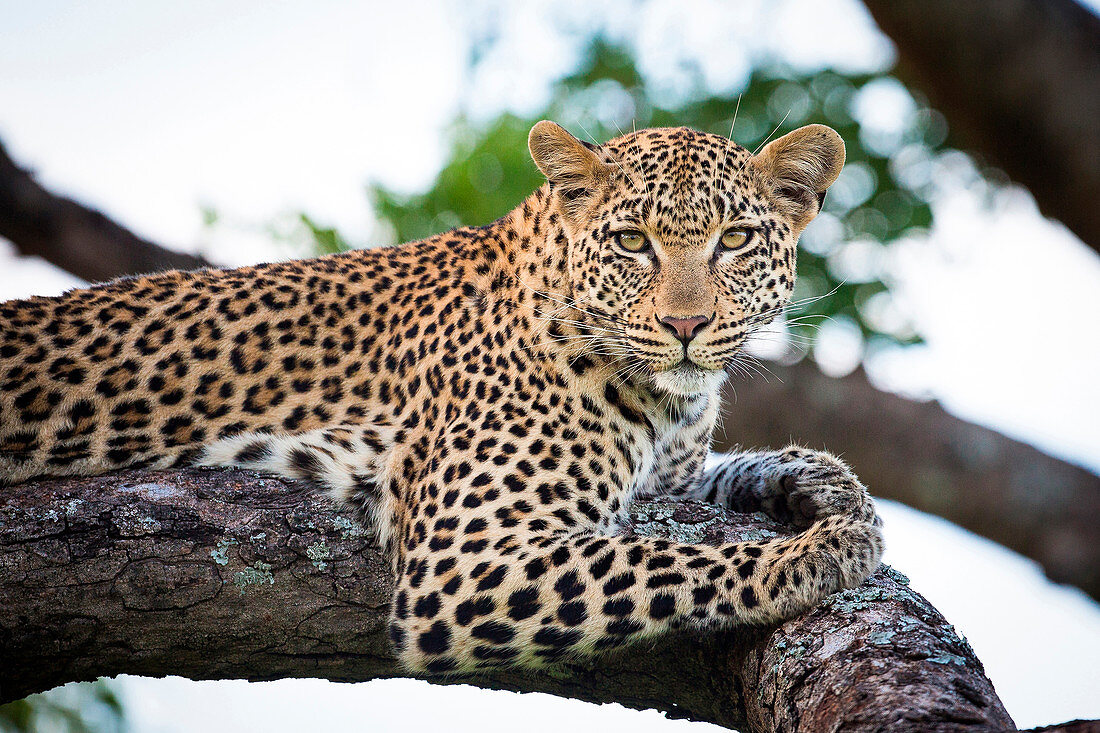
[573, 168]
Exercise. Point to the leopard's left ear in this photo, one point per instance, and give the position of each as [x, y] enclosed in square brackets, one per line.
[799, 167]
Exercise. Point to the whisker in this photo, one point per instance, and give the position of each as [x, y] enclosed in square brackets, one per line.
[573, 304]
[725, 154]
[591, 137]
[633, 181]
[798, 304]
[634, 125]
[578, 324]
[760, 368]
[765, 141]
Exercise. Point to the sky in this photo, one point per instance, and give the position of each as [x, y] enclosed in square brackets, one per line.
[152, 111]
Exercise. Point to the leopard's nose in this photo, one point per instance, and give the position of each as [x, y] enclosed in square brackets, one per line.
[685, 329]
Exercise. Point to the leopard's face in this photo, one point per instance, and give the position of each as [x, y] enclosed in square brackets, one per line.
[681, 244]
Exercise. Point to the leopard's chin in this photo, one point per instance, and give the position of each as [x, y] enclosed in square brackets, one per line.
[688, 379]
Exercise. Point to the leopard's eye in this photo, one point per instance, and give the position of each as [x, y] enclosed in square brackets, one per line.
[735, 239]
[632, 241]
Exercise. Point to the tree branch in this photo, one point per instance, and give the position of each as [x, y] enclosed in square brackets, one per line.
[76, 238]
[224, 574]
[1019, 82]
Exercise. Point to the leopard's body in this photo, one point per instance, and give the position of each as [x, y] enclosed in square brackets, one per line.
[490, 399]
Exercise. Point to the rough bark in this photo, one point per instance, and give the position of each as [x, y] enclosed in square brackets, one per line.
[1019, 82]
[918, 454]
[224, 574]
[76, 238]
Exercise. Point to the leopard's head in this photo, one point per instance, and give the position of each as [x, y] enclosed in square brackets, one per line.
[681, 243]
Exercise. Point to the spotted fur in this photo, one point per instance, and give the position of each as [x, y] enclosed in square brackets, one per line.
[490, 399]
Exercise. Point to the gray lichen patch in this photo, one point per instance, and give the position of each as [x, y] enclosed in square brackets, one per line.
[857, 599]
[786, 647]
[318, 553]
[221, 552]
[153, 490]
[884, 637]
[785, 653]
[656, 520]
[946, 658]
[693, 523]
[757, 534]
[348, 528]
[129, 521]
[895, 575]
[952, 635]
[258, 574]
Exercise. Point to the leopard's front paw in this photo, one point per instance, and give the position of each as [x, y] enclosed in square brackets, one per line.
[859, 553]
[810, 485]
[833, 555]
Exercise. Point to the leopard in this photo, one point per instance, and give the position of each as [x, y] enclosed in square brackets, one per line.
[488, 401]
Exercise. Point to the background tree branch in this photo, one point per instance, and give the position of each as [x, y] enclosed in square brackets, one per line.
[919, 454]
[74, 237]
[1019, 82]
[225, 574]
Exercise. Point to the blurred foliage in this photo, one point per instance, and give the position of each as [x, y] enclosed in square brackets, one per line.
[84, 707]
[326, 239]
[882, 194]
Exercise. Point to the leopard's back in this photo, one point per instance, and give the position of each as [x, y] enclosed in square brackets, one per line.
[146, 371]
